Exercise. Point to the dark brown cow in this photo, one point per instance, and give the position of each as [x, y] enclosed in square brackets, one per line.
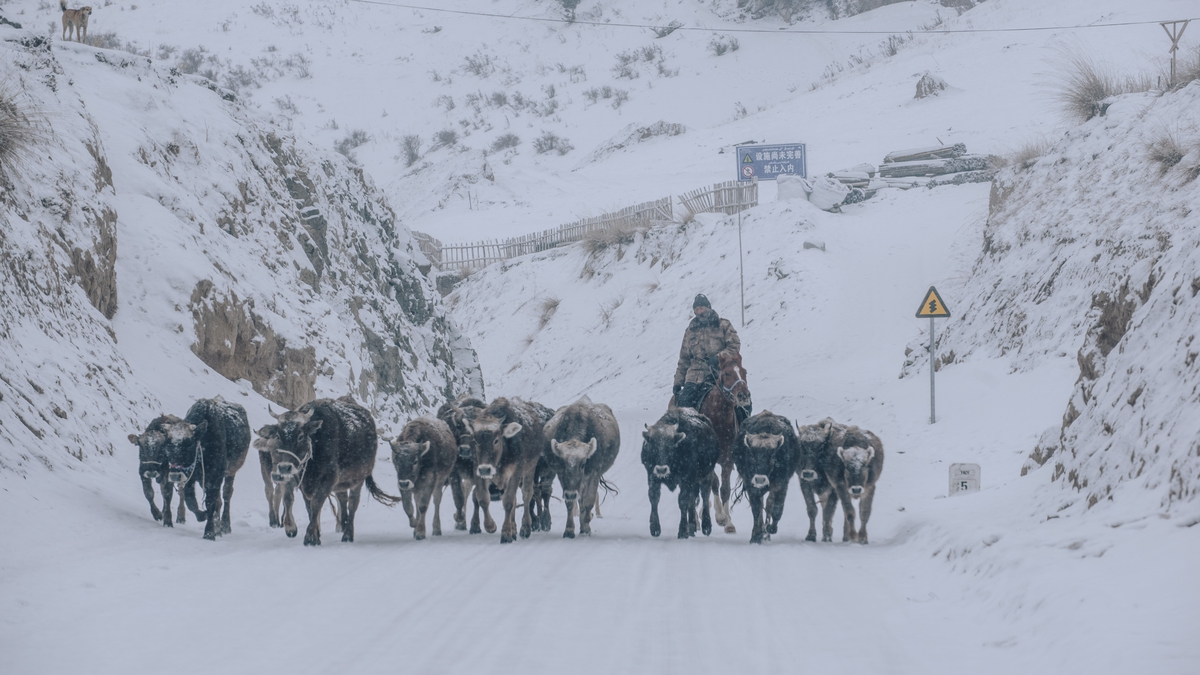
[458, 415]
[509, 442]
[423, 455]
[584, 441]
[543, 477]
[328, 446]
[814, 465]
[208, 447]
[765, 454]
[152, 468]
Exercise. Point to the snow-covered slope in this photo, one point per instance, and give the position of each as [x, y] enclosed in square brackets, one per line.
[200, 236]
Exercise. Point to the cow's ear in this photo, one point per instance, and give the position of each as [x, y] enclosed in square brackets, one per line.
[260, 444]
[592, 445]
[870, 453]
[133, 438]
[554, 447]
[312, 426]
[424, 448]
[200, 429]
[512, 429]
[268, 431]
[841, 453]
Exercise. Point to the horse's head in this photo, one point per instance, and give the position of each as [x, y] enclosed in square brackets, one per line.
[731, 377]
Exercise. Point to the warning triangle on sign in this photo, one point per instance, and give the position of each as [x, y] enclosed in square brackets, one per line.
[933, 306]
[747, 160]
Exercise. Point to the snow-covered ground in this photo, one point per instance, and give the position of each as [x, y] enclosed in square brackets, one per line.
[993, 582]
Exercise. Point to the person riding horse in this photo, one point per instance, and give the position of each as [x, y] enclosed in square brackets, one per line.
[706, 338]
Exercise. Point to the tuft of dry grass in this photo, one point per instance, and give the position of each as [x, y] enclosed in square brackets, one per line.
[597, 241]
[1084, 85]
[18, 131]
[1025, 156]
[548, 307]
[609, 308]
[1165, 151]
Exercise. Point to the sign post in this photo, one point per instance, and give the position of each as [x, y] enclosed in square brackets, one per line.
[935, 308]
[964, 478]
[768, 162]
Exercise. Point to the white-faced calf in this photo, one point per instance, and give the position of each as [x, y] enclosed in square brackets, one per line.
[509, 442]
[280, 495]
[458, 415]
[152, 468]
[814, 466]
[423, 455]
[855, 470]
[584, 442]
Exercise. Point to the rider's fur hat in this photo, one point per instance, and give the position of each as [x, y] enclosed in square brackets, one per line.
[701, 301]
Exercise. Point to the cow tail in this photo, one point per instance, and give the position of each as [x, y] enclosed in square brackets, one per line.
[379, 495]
[609, 488]
[739, 491]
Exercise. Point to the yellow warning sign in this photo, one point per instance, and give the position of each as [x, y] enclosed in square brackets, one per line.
[933, 306]
[747, 160]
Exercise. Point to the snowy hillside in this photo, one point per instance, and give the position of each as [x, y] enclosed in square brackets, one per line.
[200, 237]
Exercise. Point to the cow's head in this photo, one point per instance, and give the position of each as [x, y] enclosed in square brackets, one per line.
[291, 445]
[461, 428]
[856, 459]
[406, 457]
[183, 450]
[490, 433]
[758, 458]
[813, 440]
[574, 455]
[152, 449]
[658, 445]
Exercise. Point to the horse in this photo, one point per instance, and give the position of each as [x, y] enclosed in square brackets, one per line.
[720, 406]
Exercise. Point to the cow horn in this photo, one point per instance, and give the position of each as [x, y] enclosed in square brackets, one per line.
[554, 446]
[425, 448]
[841, 453]
[272, 413]
[746, 440]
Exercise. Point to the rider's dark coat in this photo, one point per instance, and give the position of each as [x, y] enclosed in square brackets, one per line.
[707, 336]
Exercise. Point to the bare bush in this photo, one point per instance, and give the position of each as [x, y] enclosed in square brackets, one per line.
[1025, 156]
[18, 132]
[723, 44]
[410, 146]
[1187, 70]
[505, 142]
[446, 137]
[286, 105]
[548, 142]
[1085, 85]
[1165, 151]
[619, 96]
[596, 241]
[667, 29]
[351, 141]
[108, 40]
[445, 102]
[608, 309]
[479, 65]
[548, 307]
[498, 99]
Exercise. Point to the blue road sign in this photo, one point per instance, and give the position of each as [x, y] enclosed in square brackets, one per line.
[767, 162]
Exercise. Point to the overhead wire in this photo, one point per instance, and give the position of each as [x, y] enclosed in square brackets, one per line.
[779, 31]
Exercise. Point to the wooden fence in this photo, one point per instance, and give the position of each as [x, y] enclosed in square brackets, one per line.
[720, 198]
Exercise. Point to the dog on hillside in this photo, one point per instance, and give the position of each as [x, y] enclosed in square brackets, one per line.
[75, 20]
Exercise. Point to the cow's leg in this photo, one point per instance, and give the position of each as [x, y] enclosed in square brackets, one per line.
[349, 501]
[587, 502]
[726, 490]
[274, 502]
[483, 497]
[437, 509]
[148, 491]
[547, 491]
[227, 494]
[756, 509]
[314, 504]
[289, 498]
[864, 512]
[508, 531]
[827, 512]
[459, 494]
[572, 510]
[705, 519]
[775, 502]
[421, 506]
[181, 510]
[270, 488]
[212, 506]
[687, 511]
[655, 494]
[168, 493]
[406, 497]
[475, 516]
[848, 531]
[529, 491]
[810, 503]
[189, 498]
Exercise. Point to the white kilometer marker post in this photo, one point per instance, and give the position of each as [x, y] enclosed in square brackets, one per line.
[935, 308]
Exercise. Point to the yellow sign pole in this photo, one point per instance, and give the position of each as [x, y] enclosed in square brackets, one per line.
[935, 308]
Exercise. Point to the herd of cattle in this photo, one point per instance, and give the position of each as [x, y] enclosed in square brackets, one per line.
[327, 449]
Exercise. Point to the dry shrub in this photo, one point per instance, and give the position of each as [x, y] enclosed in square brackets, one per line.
[1084, 85]
[609, 308]
[597, 241]
[548, 307]
[1025, 156]
[19, 134]
[1165, 151]
[1187, 68]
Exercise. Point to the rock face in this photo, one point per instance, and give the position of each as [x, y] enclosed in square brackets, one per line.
[929, 85]
[1093, 251]
[193, 234]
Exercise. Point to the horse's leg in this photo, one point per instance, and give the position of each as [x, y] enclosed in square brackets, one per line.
[726, 491]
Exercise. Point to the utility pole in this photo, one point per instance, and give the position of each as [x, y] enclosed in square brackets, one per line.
[1175, 32]
[741, 258]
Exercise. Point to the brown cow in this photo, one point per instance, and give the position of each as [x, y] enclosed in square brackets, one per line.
[423, 455]
[458, 415]
[857, 464]
[509, 442]
[584, 441]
